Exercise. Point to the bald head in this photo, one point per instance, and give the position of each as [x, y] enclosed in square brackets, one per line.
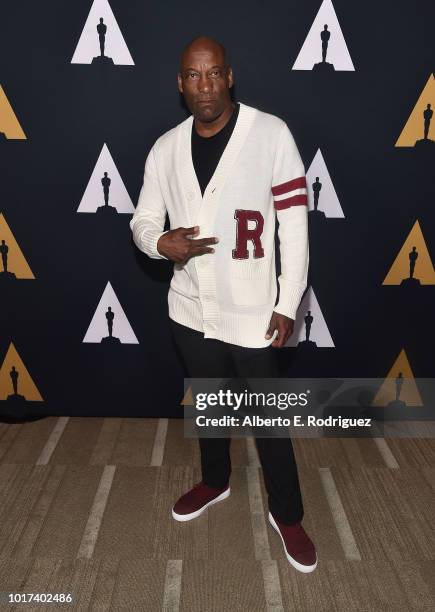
[203, 44]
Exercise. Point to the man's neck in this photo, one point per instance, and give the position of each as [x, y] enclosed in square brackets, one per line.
[210, 128]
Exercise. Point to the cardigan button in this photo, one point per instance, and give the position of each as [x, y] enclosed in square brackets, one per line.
[190, 195]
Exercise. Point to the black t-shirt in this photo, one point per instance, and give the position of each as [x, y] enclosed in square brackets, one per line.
[207, 151]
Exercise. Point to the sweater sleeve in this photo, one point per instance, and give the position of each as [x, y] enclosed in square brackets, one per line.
[149, 217]
[289, 191]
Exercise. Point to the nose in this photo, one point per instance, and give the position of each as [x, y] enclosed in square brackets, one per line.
[203, 84]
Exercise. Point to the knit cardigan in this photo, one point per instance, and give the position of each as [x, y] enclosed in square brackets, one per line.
[230, 294]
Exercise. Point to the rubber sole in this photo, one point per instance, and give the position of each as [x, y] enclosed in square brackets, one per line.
[192, 515]
[306, 569]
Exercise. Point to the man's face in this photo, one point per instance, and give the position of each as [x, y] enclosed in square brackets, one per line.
[204, 83]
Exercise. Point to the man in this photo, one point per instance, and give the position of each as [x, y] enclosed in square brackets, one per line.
[223, 175]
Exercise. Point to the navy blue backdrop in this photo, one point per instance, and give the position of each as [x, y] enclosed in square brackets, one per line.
[69, 110]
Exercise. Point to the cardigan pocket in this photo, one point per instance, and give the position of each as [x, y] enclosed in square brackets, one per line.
[250, 281]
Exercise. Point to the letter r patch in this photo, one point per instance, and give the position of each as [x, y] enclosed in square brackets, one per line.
[243, 233]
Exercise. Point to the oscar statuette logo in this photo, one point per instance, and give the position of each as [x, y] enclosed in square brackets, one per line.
[101, 42]
[324, 49]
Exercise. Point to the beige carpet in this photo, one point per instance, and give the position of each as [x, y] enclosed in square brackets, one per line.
[85, 508]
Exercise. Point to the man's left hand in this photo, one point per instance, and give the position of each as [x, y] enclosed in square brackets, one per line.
[284, 325]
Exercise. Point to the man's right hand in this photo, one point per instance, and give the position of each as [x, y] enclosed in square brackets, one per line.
[176, 246]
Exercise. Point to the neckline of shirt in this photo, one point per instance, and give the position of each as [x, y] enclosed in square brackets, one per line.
[231, 120]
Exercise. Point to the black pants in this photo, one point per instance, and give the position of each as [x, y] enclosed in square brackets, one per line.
[210, 358]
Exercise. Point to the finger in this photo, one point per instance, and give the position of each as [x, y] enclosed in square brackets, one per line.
[201, 250]
[186, 231]
[270, 329]
[279, 340]
[203, 241]
[196, 246]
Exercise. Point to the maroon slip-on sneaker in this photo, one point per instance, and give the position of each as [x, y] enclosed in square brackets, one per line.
[199, 498]
[298, 547]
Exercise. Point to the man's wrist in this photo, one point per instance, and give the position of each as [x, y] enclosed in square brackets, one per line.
[152, 244]
[290, 295]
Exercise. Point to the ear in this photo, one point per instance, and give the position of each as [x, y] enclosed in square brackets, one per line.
[230, 77]
[180, 83]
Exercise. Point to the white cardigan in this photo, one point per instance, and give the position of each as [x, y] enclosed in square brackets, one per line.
[230, 294]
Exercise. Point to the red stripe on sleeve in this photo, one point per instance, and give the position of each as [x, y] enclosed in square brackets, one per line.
[296, 200]
[296, 183]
